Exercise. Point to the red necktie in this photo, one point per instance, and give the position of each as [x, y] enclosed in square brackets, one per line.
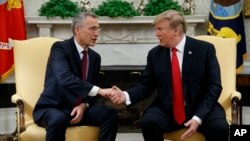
[84, 74]
[178, 102]
[84, 65]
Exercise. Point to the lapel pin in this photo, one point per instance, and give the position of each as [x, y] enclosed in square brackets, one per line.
[189, 52]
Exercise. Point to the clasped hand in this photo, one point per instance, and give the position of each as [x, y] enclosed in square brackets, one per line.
[114, 94]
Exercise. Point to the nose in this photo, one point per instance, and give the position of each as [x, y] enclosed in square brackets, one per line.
[157, 34]
[97, 32]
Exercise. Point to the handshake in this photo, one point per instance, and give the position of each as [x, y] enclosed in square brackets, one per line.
[115, 94]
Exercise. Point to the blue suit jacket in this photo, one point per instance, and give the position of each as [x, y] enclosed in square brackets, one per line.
[63, 84]
[200, 77]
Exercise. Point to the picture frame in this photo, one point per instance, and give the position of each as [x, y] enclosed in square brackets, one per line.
[247, 8]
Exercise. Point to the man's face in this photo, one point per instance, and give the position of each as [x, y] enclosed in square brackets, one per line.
[164, 33]
[87, 34]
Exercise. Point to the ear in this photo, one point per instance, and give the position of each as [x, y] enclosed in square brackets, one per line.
[77, 30]
[177, 30]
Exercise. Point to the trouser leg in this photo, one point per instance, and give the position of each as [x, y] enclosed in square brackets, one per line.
[217, 129]
[104, 117]
[56, 123]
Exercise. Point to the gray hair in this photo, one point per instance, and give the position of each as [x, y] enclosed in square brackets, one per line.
[79, 19]
[175, 18]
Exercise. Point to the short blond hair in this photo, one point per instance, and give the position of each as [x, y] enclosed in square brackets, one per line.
[175, 18]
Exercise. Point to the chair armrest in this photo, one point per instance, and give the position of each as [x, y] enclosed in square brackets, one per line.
[235, 94]
[17, 99]
[235, 100]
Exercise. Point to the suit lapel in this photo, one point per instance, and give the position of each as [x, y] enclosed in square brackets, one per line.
[91, 64]
[187, 57]
[186, 65]
[166, 68]
[76, 57]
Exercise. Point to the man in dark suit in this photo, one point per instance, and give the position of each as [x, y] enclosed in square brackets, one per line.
[70, 91]
[200, 78]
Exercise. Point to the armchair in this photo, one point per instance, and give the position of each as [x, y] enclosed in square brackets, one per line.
[229, 99]
[30, 57]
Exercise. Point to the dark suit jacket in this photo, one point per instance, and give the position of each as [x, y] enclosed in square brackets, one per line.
[200, 77]
[63, 82]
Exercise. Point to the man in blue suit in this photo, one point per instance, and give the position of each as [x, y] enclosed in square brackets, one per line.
[69, 95]
[200, 78]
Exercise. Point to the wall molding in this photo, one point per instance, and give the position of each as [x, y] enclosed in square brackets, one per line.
[137, 29]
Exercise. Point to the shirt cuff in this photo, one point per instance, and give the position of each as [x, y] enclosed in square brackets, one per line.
[94, 91]
[197, 119]
[86, 105]
[127, 98]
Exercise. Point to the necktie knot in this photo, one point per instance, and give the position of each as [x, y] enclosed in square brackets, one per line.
[84, 52]
[174, 50]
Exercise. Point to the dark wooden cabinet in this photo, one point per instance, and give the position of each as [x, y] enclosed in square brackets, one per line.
[243, 86]
[123, 78]
[6, 91]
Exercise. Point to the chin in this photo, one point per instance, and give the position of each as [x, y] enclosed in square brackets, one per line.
[92, 45]
[162, 44]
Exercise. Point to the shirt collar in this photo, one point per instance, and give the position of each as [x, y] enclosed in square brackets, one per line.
[79, 47]
[181, 45]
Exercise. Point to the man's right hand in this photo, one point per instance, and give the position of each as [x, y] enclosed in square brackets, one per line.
[104, 92]
[114, 94]
[117, 96]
